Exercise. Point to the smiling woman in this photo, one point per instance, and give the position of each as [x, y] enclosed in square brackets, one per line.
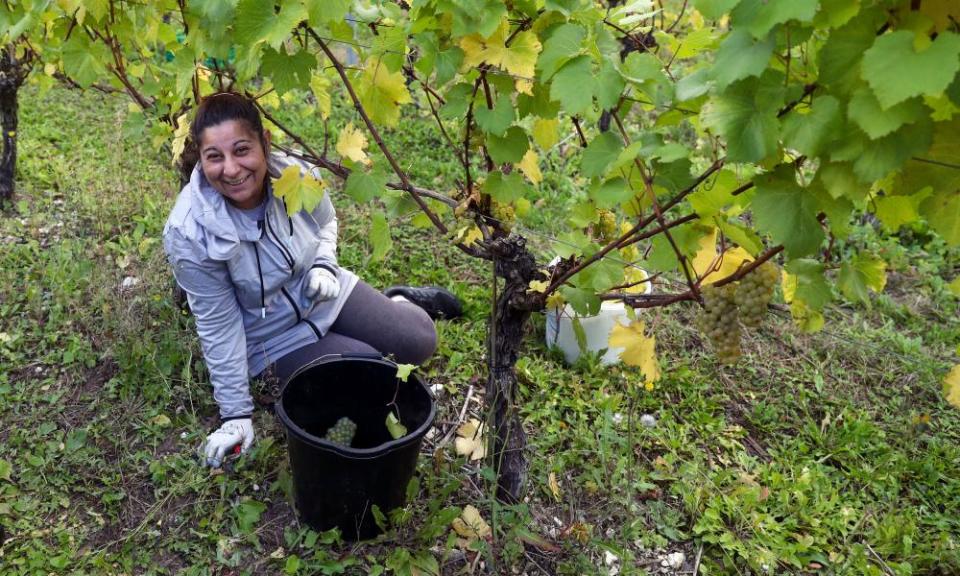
[264, 285]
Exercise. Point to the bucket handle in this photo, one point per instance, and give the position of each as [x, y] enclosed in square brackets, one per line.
[364, 355]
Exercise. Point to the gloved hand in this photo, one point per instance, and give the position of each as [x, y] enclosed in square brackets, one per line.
[231, 433]
[321, 284]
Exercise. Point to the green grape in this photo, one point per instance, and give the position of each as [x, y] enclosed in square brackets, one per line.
[504, 213]
[607, 224]
[342, 432]
[719, 321]
[755, 292]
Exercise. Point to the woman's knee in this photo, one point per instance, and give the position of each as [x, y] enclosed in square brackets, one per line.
[418, 341]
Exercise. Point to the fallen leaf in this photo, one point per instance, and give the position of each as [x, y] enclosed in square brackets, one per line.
[951, 385]
[471, 441]
[471, 524]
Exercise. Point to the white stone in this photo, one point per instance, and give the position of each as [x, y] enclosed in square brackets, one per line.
[648, 420]
[129, 282]
[609, 558]
[675, 560]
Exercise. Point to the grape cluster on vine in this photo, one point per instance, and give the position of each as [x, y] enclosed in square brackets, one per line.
[727, 307]
[342, 432]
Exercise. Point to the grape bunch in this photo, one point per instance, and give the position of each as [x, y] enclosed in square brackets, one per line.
[505, 213]
[607, 224]
[719, 321]
[342, 432]
[755, 292]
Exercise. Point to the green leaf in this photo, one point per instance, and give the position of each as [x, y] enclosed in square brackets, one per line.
[5, 470]
[884, 155]
[82, 62]
[642, 67]
[380, 238]
[258, 22]
[572, 85]
[600, 153]
[895, 211]
[936, 166]
[404, 370]
[365, 186]
[611, 192]
[714, 9]
[787, 212]
[760, 16]
[859, 275]
[810, 133]
[745, 115]
[382, 92]
[840, 181]
[498, 119]
[896, 71]
[942, 211]
[694, 85]
[812, 287]
[505, 188]
[583, 302]
[610, 85]
[712, 197]
[396, 429]
[288, 72]
[865, 110]
[563, 44]
[835, 13]
[741, 56]
[323, 11]
[510, 148]
[839, 58]
[248, 514]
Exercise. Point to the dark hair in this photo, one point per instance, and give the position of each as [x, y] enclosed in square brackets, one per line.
[215, 109]
[221, 107]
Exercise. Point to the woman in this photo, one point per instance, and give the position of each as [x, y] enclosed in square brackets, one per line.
[265, 288]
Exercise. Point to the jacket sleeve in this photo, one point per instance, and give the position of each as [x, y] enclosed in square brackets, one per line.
[213, 302]
[326, 218]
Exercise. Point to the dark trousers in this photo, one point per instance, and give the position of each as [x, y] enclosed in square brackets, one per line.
[369, 323]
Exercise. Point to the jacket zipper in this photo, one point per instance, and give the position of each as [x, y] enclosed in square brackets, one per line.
[296, 311]
[287, 257]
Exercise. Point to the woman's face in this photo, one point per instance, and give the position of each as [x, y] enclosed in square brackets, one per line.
[235, 162]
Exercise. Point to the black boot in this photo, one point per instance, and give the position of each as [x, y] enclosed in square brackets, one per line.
[439, 303]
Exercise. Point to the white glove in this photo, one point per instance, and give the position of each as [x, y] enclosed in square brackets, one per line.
[231, 433]
[321, 284]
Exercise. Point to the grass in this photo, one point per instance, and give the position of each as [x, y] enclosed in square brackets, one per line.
[831, 453]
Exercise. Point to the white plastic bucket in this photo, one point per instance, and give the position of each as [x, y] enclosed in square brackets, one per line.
[560, 334]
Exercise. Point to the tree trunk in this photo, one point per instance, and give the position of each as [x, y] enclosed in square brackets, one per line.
[11, 78]
[516, 265]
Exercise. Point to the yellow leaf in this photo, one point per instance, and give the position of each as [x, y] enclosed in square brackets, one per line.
[470, 440]
[469, 235]
[320, 86]
[638, 348]
[788, 283]
[180, 137]
[300, 191]
[539, 286]
[635, 276]
[712, 266]
[951, 386]
[545, 132]
[471, 524]
[555, 301]
[806, 318]
[530, 167]
[351, 143]
[382, 92]
[160, 420]
[554, 486]
[518, 59]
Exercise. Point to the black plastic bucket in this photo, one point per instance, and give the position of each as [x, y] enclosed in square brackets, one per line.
[337, 486]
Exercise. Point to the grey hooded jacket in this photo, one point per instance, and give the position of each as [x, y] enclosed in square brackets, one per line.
[245, 279]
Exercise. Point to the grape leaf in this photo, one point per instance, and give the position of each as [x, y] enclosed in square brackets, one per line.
[895, 211]
[380, 239]
[288, 72]
[564, 43]
[879, 157]
[545, 132]
[351, 143]
[740, 56]
[530, 166]
[396, 429]
[934, 167]
[505, 188]
[865, 110]
[810, 133]
[746, 116]
[83, 62]
[572, 85]
[896, 71]
[808, 283]
[859, 275]
[638, 349]
[258, 22]
[760, 16]
[365, 186]
[382, 92]
[942, 211]
[495, 120]
[299, 191]
[840, 55]
[323, 11]
[600, 153]
[519, 58]
[320, 87]
[510, 148]
[714, 9]
[611, 192]
[787, 212]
